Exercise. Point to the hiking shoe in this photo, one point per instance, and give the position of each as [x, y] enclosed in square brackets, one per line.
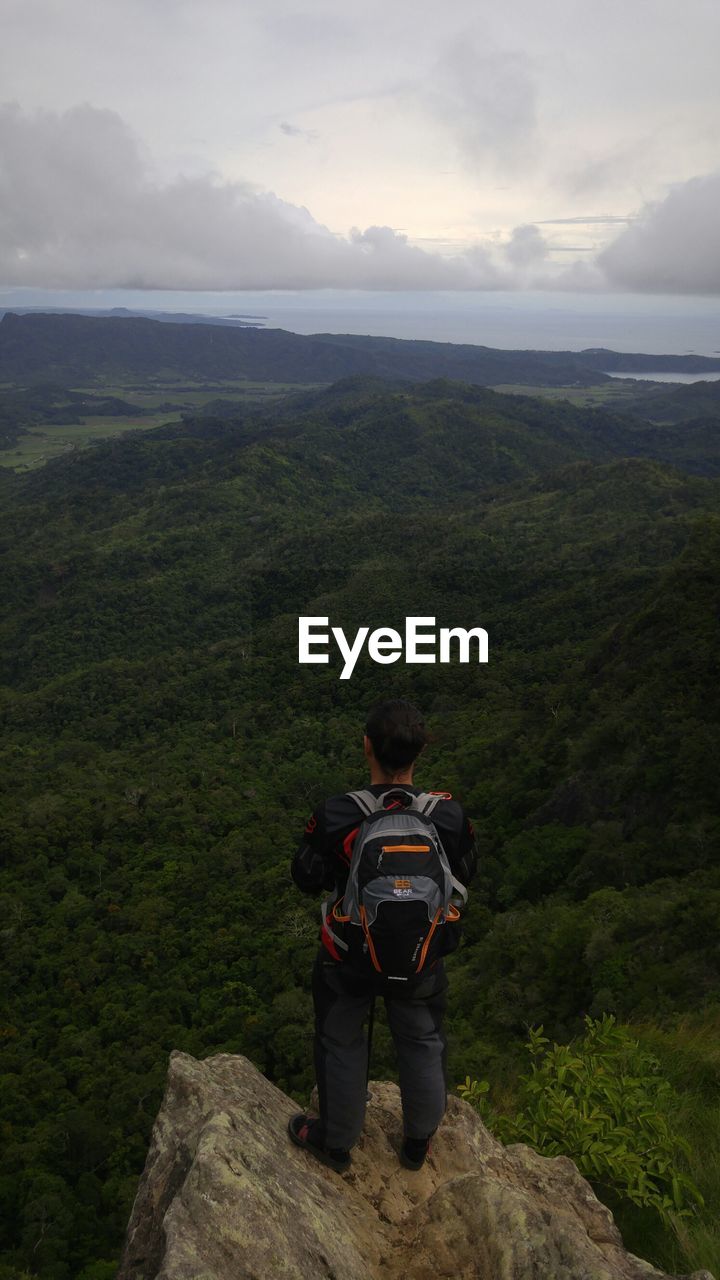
[413, 1152]
[306, 1132]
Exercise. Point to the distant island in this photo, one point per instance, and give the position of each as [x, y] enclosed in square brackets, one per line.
[127, 313]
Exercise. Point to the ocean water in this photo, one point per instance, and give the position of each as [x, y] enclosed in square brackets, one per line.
[539, 321]
[668, 377]
[657, 324]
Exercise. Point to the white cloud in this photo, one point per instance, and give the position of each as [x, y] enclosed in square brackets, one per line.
[486, 98]
[674, 244]
[526, 246]
[568, 104]
[81, 209]
[292, 131]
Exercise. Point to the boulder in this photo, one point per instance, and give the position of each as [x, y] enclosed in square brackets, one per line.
[226, 1196]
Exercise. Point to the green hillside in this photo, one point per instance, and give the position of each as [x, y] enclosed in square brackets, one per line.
[162, 748]
[681, 404]
[74, 348]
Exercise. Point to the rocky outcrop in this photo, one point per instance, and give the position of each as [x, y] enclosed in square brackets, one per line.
[226, 1196]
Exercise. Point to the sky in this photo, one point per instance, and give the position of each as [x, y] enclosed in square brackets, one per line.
[382, 145]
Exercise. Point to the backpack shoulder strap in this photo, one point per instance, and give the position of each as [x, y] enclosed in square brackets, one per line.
[366, 801]
[427, 800]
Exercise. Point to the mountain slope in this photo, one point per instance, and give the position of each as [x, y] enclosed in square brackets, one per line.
[162, 747]
[78, 348]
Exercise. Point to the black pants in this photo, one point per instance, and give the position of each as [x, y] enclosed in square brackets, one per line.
[342, 1003]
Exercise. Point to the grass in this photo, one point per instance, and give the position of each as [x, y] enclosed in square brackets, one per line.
[42, 443]
[614, 395]
[689, 1054]
[193, 395]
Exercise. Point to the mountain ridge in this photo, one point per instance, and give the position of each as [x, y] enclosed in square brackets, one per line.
[77, 346]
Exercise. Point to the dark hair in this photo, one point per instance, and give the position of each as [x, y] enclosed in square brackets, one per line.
[397, 733]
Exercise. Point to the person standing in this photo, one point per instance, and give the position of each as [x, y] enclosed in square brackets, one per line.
[351, 967]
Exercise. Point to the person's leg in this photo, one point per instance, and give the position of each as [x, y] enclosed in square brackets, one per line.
[341, 1008]
[416, 1025]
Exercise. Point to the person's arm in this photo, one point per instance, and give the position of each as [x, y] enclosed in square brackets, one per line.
[311, 867]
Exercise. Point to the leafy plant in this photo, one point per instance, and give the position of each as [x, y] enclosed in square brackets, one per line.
[603, 1103]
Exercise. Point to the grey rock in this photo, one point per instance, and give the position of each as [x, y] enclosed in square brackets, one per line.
[226, 1196]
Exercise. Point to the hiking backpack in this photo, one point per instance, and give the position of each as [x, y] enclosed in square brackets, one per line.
[393, 918]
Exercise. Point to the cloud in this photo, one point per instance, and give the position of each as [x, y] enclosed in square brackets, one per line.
[526, 246]
[79, 208]
[292, 131]
[591, 220]
[618, 166]
[486, 98]
[82, 208]
[674, 244]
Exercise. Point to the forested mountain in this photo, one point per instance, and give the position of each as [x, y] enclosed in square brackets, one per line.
[77, 348]
[681, 404]
[162, 746]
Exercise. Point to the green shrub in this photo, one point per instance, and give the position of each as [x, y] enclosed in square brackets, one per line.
[603, 1103]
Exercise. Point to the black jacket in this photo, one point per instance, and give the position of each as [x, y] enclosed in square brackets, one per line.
[323, 855]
